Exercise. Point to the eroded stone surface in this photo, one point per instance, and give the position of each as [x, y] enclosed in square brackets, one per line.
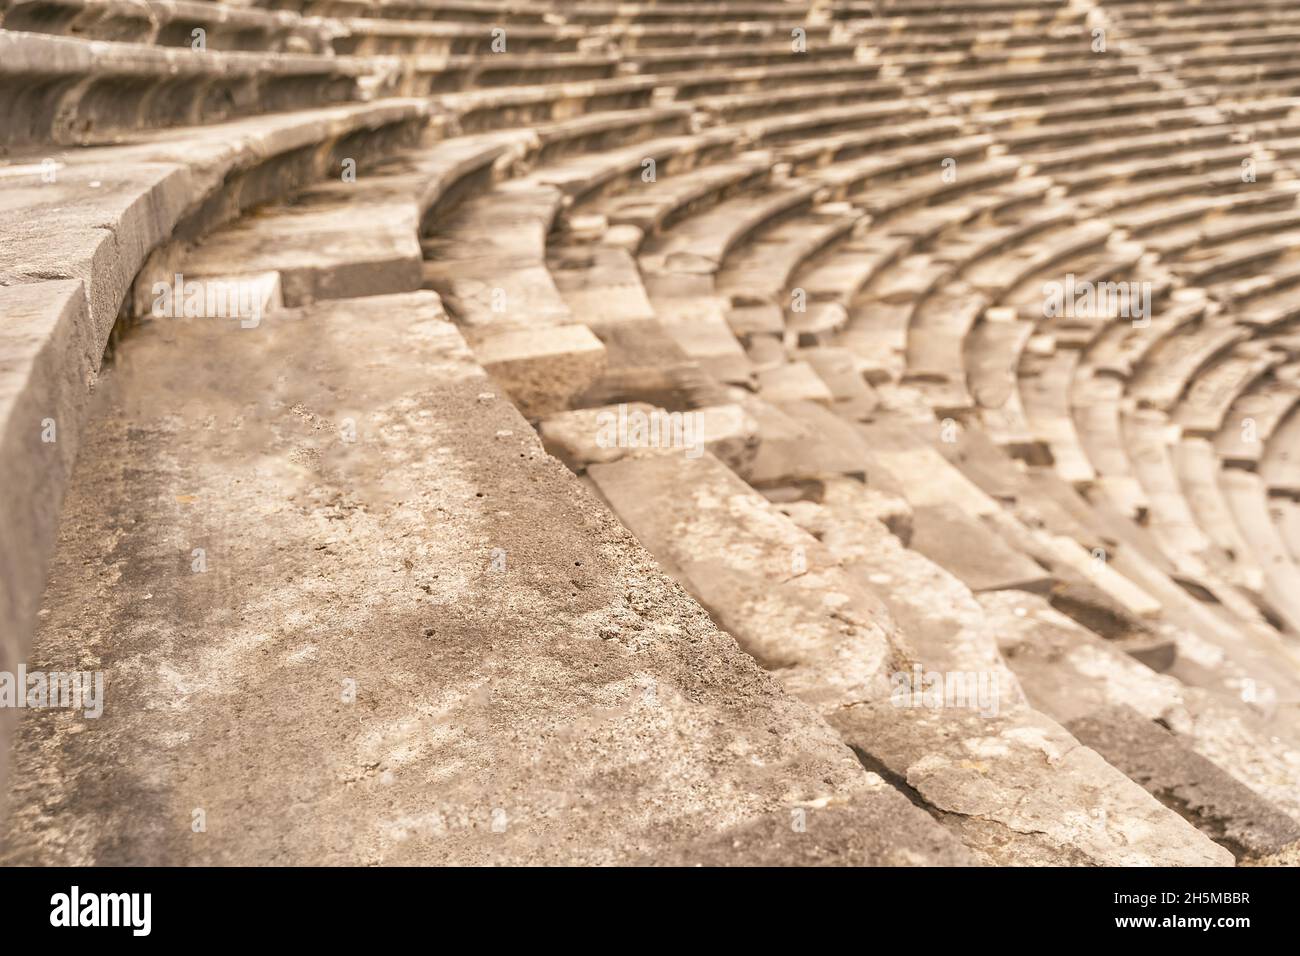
[404, 636]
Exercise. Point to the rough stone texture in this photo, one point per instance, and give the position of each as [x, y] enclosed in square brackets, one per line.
[46, 377]
[1225, 810]
[1053, 802]
[766, 582]
[599, 435]
[1074, 675]
[834, 834]
[544, 369]
[574, 688]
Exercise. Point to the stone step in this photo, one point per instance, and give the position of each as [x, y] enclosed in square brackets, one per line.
[387, 37]
[801, 441]
[317, 250]
[767, 583]
[593, 436]
[512, 106]
[1247, 499]
[738, 32]
[697, 246]
[1019, 790]
[1201, 411]
[168, 23]
[753, 569]
[75, 237]
[1194, 753]
[715, 10]
[725, 58]
[764, 269]
[349, 612]
[1198, 472]
[694, 83]
[1255, 414]
[1223, 809]
[456, 11]
[1220, 643]
[98, 87]
[489, 260]
[739, 107]
[674, 196]
[431, 75]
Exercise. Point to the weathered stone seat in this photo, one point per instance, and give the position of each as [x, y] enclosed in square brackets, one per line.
[698, 245]
[507, 107]
[869, 18]
[1245, 640]
[373, 37]
[489, 261]
[728, 11]
[67, 276]
[379, 708]
[809, 155]
[172, 23]
[1149, 441]
[716, 33]
[427, 75]
[763, 270]
[1197, 467]
[1062, 117]
[831, 120]
[587, 178]
[1278, 466]
[1253, 416]
[780, 74]
[984, 78]
[726, 58]
[1044, 139]
[1184, 219]
[67, 91]
[1151, 25]
[1058, 38]
[707, 552]
[1114, 704]
[741, 107]
[678, 194]
[1203, 407]
[1248, 500]
[1167, 370]
[1032, 93]
[853, 176]
[1128, 149]
[452, 11]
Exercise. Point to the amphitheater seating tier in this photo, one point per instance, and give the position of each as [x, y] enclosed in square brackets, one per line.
[985, 312]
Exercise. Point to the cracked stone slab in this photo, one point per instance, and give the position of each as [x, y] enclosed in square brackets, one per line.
[1072, 674]
[1227, 812]
[1019, 790]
